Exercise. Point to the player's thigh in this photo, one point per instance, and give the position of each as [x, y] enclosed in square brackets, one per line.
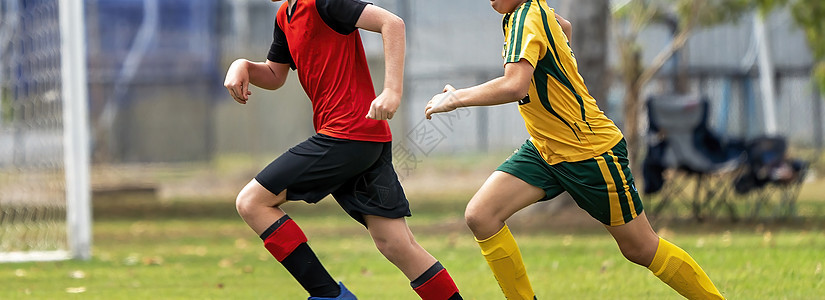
[374, 192]
[603, 186]
[501, 196]
[523, 179]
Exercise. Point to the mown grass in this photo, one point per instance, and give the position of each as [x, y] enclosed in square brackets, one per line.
[190, 248]
[187, 249]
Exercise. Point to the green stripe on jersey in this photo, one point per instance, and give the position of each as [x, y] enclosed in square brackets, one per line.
[558, 71]
[517, 32]
[541, 89]
[611, 162]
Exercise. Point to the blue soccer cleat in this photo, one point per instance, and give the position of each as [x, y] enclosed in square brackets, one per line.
[345, 294]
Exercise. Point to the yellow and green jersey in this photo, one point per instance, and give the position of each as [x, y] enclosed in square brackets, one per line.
[563, 120]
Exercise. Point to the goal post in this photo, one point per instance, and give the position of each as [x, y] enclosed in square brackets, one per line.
[75, 128]
[45, 198]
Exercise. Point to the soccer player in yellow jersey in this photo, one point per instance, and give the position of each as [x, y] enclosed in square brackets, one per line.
[573, 147]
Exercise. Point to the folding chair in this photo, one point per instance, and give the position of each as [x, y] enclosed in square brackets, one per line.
[769, 171]
[683, 153]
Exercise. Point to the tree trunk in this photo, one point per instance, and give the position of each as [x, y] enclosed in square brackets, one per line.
[633, 72]
[591, 21]
[631, 127]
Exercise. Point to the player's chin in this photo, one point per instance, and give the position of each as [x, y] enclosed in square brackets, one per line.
[493, 5]
[497, 6]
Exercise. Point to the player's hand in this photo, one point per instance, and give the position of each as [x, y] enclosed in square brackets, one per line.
[444, 102]
[237, 81]
[384, 106]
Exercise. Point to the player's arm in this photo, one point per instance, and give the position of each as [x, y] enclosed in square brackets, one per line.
[513, 86]
[267, 75]
[392, 30]
[565, 26]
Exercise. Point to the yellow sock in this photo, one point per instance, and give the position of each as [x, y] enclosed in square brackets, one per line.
[676, 268]
[504, 258]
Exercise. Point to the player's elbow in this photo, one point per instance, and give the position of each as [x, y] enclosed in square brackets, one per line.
[399, 25]
[566, 26]
[279, 82]
[393, 24]
[276, 77]
[515, 90]
[399, 22]
[271, 85]
[516, 81]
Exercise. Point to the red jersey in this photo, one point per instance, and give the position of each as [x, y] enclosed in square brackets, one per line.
[319, 39]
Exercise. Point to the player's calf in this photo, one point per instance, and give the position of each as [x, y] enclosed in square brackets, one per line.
[436, 284]
[504, 258]
[395, 241]
[677, 269]
[288, 244]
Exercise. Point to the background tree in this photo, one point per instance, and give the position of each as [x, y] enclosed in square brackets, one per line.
[685, 16]
[591, 28]
[809, 15]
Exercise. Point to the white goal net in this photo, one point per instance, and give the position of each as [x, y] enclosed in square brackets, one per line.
[44, 186]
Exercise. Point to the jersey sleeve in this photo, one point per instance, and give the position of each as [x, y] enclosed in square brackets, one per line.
[341, 15]
[279, 50]
[526, 38]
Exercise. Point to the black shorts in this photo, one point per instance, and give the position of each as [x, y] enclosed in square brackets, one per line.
[358, 174]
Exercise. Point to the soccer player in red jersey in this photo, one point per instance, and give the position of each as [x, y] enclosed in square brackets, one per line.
[350, 157]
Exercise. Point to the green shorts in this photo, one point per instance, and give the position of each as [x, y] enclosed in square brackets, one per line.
[602, 186]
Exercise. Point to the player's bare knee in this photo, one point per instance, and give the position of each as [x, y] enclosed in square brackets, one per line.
[392, 248]
[250, 201]
[386, 249]
[473, 221]
[477, 220]
[244, 203]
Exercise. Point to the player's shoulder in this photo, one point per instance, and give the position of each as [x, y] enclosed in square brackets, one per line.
[541, 10]
[529, 17]
[281, 12]
[535, 12]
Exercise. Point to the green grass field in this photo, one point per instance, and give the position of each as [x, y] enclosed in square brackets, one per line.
[189, 248]
[201, 250]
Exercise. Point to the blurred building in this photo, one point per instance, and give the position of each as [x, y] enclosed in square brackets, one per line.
[153, 71]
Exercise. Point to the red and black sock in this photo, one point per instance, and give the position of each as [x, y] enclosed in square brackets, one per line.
[288, 244]
[436, 284]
